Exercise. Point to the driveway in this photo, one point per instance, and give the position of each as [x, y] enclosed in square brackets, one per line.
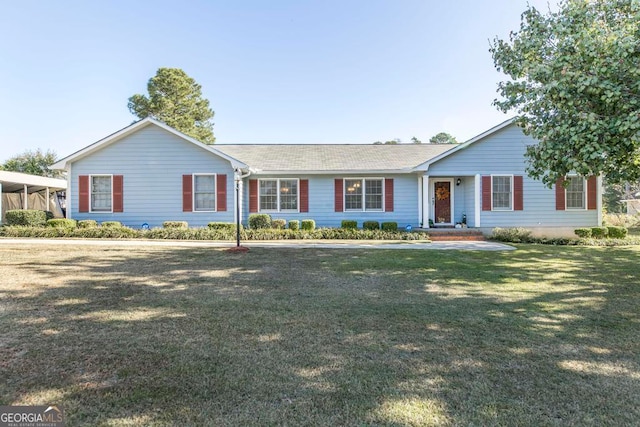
[302, 244]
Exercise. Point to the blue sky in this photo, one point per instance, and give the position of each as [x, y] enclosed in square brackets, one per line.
[275, 72]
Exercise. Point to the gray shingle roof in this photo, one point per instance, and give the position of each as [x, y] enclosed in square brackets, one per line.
[330, 157]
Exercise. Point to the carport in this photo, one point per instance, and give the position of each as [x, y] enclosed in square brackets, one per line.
[24, 191]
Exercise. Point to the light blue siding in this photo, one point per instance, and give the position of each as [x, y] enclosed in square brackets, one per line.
[503, 153]
[152, 162]
[322, 201]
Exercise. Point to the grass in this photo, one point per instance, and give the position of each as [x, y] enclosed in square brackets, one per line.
[180, 336]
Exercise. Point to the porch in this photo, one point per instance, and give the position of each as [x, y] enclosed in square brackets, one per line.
[447, 201]
[24, 191]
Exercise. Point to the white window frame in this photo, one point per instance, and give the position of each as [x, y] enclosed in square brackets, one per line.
[215, 192]
[363, 183]
[99, 175]
[510, 209]
[584, 194]
[278, 192]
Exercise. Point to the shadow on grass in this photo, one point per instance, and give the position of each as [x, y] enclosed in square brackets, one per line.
[542, 335]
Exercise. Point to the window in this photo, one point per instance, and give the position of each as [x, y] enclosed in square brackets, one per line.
[575, 193]
[502, 195]
[278, 195]
[204, 193]
[372, 189]
[353, 194]
[101, 196]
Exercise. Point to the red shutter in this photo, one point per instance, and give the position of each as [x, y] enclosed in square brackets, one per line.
[592, 193]
[486, 193]
[118, 186]
[221, 193]
[304, 195]
[518, 197]
[560, 200]
[388, 195]
[253, 195]
[339, 195]
[187, 193]
[83, 193]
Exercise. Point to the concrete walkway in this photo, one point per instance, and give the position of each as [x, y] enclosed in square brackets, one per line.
[300, 244]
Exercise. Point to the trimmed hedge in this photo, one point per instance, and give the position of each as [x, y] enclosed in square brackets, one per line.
[207, 233]
[111, 224]
[257, 221]
[86, 223]
[308, 225]
[371, 225]
[349, 224]
[599, 232]
[389, 226]
[229, 226]
[26, 217]
[613, 232]
[278, 224]
[617, 232]
[62, 223]
[175, 224]
[583, 232]
[294, 225]
[516, 235]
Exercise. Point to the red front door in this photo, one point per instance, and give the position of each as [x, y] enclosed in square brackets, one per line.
[442, 202]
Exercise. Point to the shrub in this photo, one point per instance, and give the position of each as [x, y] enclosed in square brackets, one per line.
[111, 224]
[49, 215]
[617, 232]
[349, 224]
[585, 233]
[599, 232]
[257, 221]
[62, 223]
[175, 224]
[26, 217]
[371, 225]
[512, 235]
[227, 226]
[294, 224]
[389, 226]
[87, 223]
[278, 224]
[308, 225]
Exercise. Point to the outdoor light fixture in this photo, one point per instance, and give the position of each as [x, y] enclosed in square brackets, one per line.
[458, 181]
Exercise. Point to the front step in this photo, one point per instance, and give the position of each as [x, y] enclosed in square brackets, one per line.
[457, 234]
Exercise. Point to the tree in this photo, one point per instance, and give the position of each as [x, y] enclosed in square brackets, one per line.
[443, 138]
[176, 99]
[575, 86]
[415, 140]
[390, 142]
[34, 163]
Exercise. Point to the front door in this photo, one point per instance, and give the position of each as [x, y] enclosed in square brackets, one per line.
[442, 202]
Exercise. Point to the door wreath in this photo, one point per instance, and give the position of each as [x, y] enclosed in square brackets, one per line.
[442, 193]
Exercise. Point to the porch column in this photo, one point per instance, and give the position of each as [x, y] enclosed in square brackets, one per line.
[67, 194]
[25, 203]
[477, 202]
[0, 203]
[425, 201]
[420, 214]
[46, 199]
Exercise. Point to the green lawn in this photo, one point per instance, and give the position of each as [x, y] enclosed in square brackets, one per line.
[180, 336]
